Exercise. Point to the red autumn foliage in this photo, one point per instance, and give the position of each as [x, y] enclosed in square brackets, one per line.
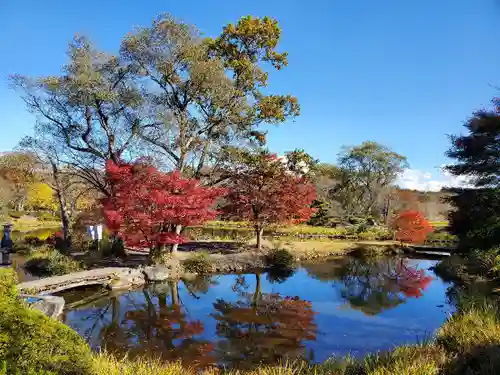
[412, 227]
[411, 280]
[264, 192]
[146, 205]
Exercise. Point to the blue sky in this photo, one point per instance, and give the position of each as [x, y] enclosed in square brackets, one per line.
[403, 73]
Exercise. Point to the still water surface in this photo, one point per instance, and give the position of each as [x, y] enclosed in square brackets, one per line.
[346, 305]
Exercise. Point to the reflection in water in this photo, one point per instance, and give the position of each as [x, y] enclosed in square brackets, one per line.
[373, 285]
[262, 327]
[243, 320]
[156, 326]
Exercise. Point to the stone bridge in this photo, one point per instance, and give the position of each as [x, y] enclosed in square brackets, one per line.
[111, 277]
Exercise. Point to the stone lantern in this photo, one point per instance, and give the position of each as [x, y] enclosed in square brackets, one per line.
[6, 244]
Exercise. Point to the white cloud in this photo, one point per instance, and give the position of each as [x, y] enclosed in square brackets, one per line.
[424, 181]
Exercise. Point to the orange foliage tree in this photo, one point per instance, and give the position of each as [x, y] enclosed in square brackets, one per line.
[412, 227]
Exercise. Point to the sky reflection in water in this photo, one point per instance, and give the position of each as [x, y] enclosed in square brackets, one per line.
[348, 305]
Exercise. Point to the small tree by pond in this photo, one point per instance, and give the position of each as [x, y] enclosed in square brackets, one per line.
[412, 227]
[265, 192]
[148, 208]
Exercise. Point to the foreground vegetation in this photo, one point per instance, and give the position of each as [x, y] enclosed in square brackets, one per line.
[30, 343]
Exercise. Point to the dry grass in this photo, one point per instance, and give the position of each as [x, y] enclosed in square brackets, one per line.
[311, 249]
[407, 360]
[104, 364]
[462, 332]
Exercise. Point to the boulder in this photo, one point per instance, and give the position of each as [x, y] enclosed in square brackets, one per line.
[52, 306]
[126, 278]
[156, 273]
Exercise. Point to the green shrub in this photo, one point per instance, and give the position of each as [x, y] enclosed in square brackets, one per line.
[367, 236]
[486, 262]
[199, 263]
[31, 343]
[451, 268]
[33, 241]
[50, 262]
[279, 258]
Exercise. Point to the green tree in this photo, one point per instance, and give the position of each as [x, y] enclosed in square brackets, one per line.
[207, 93]
[477, 154]
[91, 112]
[365, 172]
[477, 161]
[301, 163]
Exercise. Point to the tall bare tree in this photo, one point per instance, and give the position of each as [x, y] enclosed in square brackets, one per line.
[50, 157]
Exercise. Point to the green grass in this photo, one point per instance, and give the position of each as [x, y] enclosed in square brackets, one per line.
[439, 224]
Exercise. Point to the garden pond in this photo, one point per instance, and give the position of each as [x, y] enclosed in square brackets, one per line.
[342, 306]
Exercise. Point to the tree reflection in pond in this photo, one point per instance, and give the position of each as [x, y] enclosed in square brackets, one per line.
[373, 285]
[157, 328]
[262, 327]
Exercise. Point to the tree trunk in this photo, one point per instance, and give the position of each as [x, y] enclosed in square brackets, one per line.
[162, 303]
[115, 311]
[258, 290]
[174, 290]
[157, 254]
[61, 198]
[175, 246]
[259, 231]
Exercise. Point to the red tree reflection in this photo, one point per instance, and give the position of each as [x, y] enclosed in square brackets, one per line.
[263, 328]
[159, 330]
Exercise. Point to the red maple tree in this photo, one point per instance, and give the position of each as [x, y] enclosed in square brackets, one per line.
[412, 227]
[264, 192]
[148, 208]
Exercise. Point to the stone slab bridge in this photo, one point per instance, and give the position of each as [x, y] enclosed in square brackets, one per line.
[110, 277]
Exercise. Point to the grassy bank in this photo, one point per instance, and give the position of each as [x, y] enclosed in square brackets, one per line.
[30, 343]
[477, 266]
